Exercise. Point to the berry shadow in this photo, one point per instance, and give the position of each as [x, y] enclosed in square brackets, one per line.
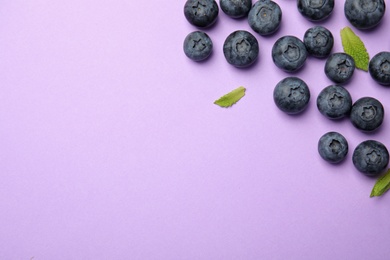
[210, 27]
[249, 68]
[301, 113]
[373, 133]
[338, 164]
[208, 59]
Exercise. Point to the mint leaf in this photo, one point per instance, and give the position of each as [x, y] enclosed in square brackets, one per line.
[382, 185]
[231, 98]
[355, 47]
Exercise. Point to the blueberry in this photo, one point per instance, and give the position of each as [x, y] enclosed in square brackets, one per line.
[201, 13]
[318, 41]
[197, 46]
[315, 10]
[364, 14]
[334, 102]
[367, 114]
[265, 17]
[291, 95]
[339, 67]
[379, 68]
[236, 8]
[370, 157]
[289, 53]
[333, 147]
[241, 49]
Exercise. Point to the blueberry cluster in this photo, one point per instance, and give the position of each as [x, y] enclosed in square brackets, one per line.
[241, 48]
[289, 53]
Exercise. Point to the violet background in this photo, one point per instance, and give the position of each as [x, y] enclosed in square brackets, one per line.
[112, 148]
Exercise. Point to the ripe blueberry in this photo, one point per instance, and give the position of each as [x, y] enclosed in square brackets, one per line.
[197, 46]
[241, 49]
[236, 8]
[379, 68]
[333, 147]
[334, 102]
[370, 157]
[315, 10]
[318, 41]
[339, 67]
[367, 114]
[265, 17]
[289, 53]
[291, 95]
[364, 14]
[201, 13]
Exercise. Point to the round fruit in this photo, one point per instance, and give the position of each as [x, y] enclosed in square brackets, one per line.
[364, 14]
[236, 8]
[379, 68]
[339, 67]
[201, 13]
[370, 157]
[367, 114]
[197, 46]
[291, 95]
[289, 53]
[315, 10]
[318, 41]
[241, 49]
[265, 17]
[333, 147]
[334, 102]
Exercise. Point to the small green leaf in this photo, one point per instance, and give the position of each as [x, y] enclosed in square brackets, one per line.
[231, 98]
[355, 47]
[382, 185]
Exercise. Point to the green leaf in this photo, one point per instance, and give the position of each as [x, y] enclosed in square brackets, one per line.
[382, 185]
[231, 98]
[355, 47]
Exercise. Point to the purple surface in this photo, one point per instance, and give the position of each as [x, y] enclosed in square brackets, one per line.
[112, 148]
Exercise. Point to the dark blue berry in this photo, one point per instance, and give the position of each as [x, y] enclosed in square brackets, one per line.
[334, 102]
[367, 114]
[315, 10]
[241, 49]
[289, 53]
[333, 147]
[364, 14]
[197, 46]
[339, 67]
[379, 68]
[370, 157]
[318, 41]
[236, 8]
[291, 95]
[265, 17]
[201, 13]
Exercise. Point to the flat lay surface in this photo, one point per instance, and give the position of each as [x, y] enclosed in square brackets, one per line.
[111, 146]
